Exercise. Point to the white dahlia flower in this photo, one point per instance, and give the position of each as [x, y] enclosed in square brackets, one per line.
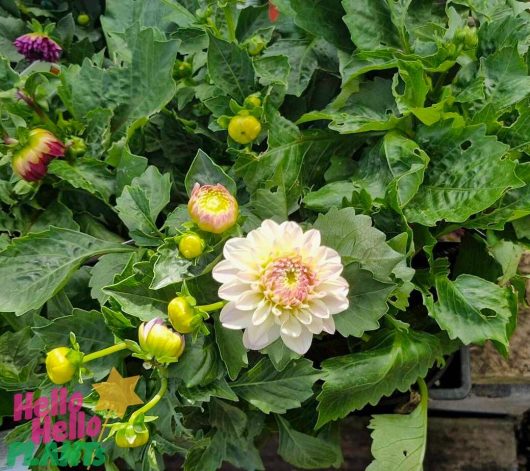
[280, 282]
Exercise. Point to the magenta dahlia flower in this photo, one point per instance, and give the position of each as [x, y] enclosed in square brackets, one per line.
[38, 47]
[31, 162]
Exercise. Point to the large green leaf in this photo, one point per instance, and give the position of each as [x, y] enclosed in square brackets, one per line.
[140, 204]
[400, 441]
[372, 108]
[321, 18]
[103, 273]
[370, 23]
[471, 308]
[231, 348]
[305, 55]
[230, 68]
[170, 267]
[505, 81]
[467, 174]
[44, 263]
[199, 365]
[392, 360]
[17, 360]
[306, 451]
[88, 174]
[139, 88]
[205, 171]
[368, 302]
[276, 391]
[407, 163]
[356, 240]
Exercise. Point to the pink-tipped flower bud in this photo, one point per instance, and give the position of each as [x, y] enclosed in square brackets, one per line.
[38, 47]
[31, 162]
[213, 208]
[160, 342]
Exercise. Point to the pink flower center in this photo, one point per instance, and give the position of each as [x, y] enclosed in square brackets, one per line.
[287, 281]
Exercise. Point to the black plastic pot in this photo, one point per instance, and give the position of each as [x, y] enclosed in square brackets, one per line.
[453, 381]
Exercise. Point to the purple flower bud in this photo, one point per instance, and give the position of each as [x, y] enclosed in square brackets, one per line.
[38, 47]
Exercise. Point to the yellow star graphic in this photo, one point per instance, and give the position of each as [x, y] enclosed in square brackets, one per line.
[117, 393]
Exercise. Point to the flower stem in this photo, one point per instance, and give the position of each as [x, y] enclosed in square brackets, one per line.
[104, 352]
[212, 307]
[155, 399]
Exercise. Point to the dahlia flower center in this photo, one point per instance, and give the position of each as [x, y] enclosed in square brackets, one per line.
[287, 281]
[214, 201]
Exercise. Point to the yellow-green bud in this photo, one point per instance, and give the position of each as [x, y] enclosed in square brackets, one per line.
[62, 364]
[181, 314]
[160, 342]
[191, 245]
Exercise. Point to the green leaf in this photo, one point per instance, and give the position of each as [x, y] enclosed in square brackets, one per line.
[17, 361]
[129, 167]
[56, 214]
[280, 355]
[141, 88]
[140, 204]
[199, 365]
[272, 69]
[459, 181]
[368, 302]
[230, 68]
[321, 18]
[372, 108]
[505, 81]
[305, 56]
[392, 360]
[104, 272]
[231, 348]
[207, 457]
[370, 23]
[227, 418]
[407, 163]
[87, 174]
[170, 267]
[205, 171]
[44, 263]
[306, 451]
[400, 441]
[332, 195]
[470, 308]
[135, 298]
[416, 85]
[354, 238]
[276, 391]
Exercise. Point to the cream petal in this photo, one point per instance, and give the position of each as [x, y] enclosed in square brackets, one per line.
[234, 318]
[328, 325]
[335, 304]
[304, 316]
[249, 300]
[319, 308]
[316, 325]
[224, 272]
[311, 241]
[291, 327]
[300, 344]
[292, 233]
[261, 313]
[257, 337]
[233, 290]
